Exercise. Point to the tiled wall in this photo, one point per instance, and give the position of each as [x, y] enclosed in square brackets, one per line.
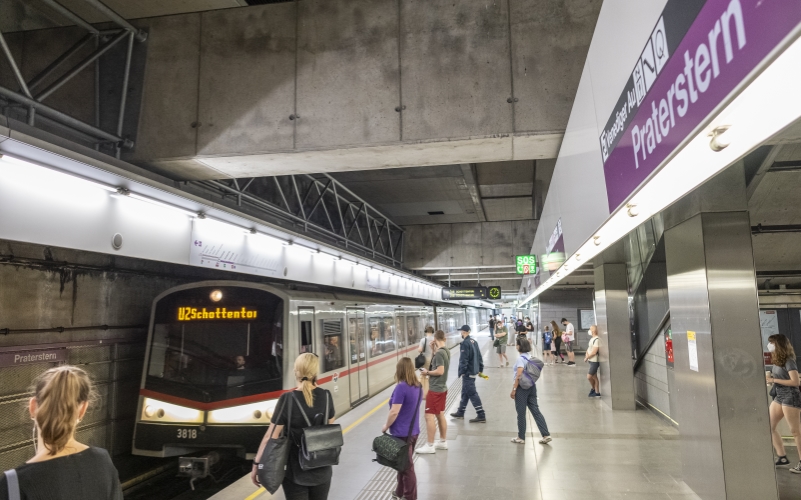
[651, 378]
[558, 304]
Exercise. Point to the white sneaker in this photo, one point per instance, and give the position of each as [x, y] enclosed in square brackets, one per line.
[441, 445]
[426, 449]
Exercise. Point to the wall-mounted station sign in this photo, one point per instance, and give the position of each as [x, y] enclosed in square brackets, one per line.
[526, 264]
[465, 293]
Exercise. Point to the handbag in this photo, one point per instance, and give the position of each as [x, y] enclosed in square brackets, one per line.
[392, 451]
[419, 361]
[320, 445]
[13, 484]
[272, 466]
[497, 343]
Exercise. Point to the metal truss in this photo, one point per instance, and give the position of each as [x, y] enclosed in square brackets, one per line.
[32, 101]
[317, 204]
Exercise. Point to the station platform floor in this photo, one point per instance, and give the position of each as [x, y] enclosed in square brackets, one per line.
[595, 453]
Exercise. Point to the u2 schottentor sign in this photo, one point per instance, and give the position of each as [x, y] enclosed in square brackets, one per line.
[687, 68]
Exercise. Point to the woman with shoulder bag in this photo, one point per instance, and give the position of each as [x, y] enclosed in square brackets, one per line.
[526, 398]
[787, 401]
[403, 422]
[62, 468]
[306, 401]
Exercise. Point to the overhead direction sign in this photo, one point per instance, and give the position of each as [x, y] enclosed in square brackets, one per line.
[466, 293]
[526, 264]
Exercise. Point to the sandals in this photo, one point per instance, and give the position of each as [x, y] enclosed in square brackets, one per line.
[518, 441]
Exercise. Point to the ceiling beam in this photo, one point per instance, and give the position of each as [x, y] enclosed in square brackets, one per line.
[469, 174]
[763, 169]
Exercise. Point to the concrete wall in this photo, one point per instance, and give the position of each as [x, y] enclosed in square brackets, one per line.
[48, 287]
[220, 86]
[558, 304]
[651, 378]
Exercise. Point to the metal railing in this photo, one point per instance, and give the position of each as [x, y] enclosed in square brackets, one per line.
[104, 40]
[317, 204]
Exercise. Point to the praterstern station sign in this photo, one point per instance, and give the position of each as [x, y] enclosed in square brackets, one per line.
[32, 357]
[697, 54]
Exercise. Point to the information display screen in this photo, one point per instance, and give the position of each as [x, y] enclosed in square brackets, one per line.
[456, 293]
[526, 264]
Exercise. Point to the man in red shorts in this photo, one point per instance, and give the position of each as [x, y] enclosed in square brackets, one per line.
[437, 393]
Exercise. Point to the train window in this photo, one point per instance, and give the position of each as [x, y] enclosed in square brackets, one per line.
[382, 338]
[411, 330]
[333, 350]
[400, 331]
[388, 334]
[306, 320]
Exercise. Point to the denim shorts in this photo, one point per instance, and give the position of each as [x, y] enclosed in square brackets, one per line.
[788, 396]
[594, 367]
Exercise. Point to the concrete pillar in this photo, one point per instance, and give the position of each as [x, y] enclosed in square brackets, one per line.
[719, 378]
[612, 317]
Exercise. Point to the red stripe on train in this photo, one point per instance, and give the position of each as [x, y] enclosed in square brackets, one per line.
[197, 405]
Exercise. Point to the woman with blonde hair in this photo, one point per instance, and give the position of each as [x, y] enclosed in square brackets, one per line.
[787, 402]
[62, 468]
[404, 409]
[298, 484]
[557, 341]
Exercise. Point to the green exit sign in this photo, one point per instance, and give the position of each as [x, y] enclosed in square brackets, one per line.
[526, 264]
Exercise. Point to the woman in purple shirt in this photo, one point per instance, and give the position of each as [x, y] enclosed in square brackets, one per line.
[404, 408]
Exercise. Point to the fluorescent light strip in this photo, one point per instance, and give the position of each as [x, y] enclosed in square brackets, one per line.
[24, 163]
[765, 107]
[155, 202]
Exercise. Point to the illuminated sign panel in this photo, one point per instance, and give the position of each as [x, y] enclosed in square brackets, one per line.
[526, 264]
[495, 292]
[455, 293]
[195, 314]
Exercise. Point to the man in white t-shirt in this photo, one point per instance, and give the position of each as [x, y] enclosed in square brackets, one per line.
[591, 357]
[569, 340]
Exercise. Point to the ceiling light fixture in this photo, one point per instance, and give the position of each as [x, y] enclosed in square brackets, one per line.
[720, 140]
[632, 210]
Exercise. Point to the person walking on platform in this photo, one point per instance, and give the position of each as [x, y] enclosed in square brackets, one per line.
[501, 337]
[787, 401]
[470, 365]
[526, 398]
[547, 345]
[569, 339]
[492, 327]
[557, 341]
[62, 468]
[591, 357]
[404, 411]
[510, 339]
[530, 330]
[437, 394]
[301, 484]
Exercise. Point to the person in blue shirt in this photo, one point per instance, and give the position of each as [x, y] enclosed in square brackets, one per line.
[470, 365]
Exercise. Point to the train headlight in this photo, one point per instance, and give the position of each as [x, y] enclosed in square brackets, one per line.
[154, 410]
[253, 413]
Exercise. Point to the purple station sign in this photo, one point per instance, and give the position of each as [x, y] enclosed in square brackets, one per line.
[687, 68]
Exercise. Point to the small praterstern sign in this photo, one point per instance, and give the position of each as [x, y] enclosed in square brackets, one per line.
[32, 357]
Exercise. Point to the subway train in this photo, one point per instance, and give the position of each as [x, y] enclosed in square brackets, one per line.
[220, 353]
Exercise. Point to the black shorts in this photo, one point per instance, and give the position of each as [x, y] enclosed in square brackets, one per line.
[594, 367]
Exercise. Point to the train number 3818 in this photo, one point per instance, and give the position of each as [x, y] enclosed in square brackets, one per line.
[187, 433]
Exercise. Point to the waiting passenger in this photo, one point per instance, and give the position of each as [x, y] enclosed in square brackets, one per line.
[591, 357]
[557, 341]
[404, 411]
[526, 398]
[787, 402]
[547, 346]
[437, 394]
[569, 338]
[298, 484]
[424, 346]
[62, 468]
[501, 336]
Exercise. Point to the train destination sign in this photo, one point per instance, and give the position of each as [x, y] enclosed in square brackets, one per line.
[526, 264]
[222, 313]
[32, 357]
[457, 293]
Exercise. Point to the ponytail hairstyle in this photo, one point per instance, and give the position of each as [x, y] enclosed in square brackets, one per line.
[59, 393]
[784, 349]
[307, 366]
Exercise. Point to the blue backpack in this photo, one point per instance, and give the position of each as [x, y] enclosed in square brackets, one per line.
[548, 337]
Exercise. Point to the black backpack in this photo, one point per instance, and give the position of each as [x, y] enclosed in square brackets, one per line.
[320, 445]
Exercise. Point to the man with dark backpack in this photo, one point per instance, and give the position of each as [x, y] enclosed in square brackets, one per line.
[470, 365]
[527, 370]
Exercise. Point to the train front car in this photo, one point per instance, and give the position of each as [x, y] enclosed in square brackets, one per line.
[213, 370]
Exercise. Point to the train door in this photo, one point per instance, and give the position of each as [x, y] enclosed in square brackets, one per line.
[358, 356]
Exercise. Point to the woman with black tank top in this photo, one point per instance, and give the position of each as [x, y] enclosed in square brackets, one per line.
[299, 484]
[62, 468]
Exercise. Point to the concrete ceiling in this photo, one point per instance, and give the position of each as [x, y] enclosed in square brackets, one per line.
[483, 192]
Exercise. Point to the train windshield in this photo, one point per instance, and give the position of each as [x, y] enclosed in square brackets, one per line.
[217, 343]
